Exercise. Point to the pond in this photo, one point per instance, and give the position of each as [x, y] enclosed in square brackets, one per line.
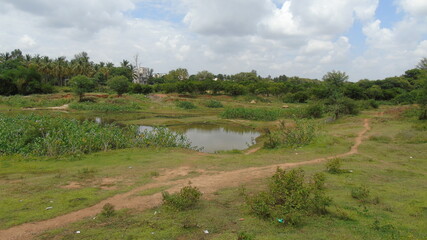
[213, 138]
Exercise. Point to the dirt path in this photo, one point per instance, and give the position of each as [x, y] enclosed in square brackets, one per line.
[207, 182]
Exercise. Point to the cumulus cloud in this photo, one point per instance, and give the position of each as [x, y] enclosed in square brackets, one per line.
[293, 37]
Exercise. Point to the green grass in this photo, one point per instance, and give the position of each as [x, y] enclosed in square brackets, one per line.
[389, 159]
[103, 107]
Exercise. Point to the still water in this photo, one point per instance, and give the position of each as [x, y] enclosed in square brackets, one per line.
[213, 138]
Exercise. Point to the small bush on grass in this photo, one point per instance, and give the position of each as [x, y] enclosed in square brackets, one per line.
[360, 193]
[289, 197]
[214, 104]
[334, 166]
[187, 198]
[245, 236]
[301, 133]
[108, 210]
[185, 105]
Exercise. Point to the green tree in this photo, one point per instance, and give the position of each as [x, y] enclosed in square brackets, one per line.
[335, 81]
[119, 84]
[422, 100]
[81, 84]
[422, 64]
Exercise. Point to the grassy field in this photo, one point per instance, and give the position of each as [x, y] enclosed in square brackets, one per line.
[391, 164]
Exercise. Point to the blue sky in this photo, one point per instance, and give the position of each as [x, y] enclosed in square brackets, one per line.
[370, 39]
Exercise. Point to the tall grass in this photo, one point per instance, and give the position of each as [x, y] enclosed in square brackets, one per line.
[262, 114]
[259, 114]
[302, 132]
[52, 136]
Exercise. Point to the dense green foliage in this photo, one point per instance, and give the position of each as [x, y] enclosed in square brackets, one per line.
[119, 84]
[186, 198]
[289, 197]
[185, 105]
[52, 136]
[81, 84]
[214, 104]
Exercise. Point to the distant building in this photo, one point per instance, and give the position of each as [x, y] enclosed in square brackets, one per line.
[159, 75]
[141, 75]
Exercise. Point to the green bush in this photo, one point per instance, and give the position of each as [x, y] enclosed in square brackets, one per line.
[187, 198]
[334, 166]
[119, 84]
[314, 111]
[185, 105]
[259, 114]
[245, 236]
[289, 197]
[214, 104]
[360, 193]
[303, 132]
[108, 210]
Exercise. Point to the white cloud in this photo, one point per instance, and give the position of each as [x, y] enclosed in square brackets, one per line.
[27, 41]
[414, 7]
[292, 37]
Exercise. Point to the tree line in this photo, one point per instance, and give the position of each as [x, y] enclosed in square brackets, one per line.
[25, 74]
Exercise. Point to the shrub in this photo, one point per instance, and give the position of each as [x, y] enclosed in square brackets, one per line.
[314, 111]
[290, 197]
[214, 104]
[334, 166]
[187, 198]
[185, 105]
[259, 114]
[360, 193]
[119, 84]
[301, 133]
[81, 84]
[108, 210]
[245, 236]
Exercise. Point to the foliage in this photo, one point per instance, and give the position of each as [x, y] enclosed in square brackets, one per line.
[245, 236]
[119, 84]
[108, 210]
[290, 197]
[162, 137]
[422, 99]
[52, 136]
[342, 106]
[315, 110]
[81, 84]
[360, 193]
[214, 104]
[259, 114]
[187, 198]
[334, 166]
[185, 105]
[141, 88]
[301, 133]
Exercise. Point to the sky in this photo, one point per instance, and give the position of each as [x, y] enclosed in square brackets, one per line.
[367, 39]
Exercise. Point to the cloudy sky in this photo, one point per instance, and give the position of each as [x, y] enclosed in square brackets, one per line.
[370, 39]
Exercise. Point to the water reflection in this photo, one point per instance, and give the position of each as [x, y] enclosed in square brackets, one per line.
[214, 137]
